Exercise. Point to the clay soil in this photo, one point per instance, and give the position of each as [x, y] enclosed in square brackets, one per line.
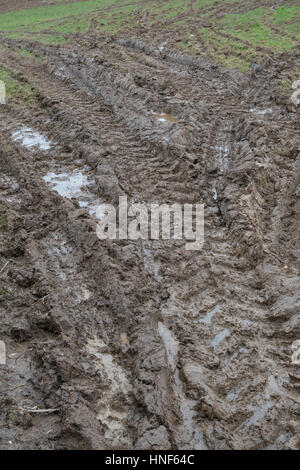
[143, 344]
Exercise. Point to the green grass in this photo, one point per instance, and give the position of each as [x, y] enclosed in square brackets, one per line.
[250, 35]
[42, 38]
[117, 21]
[226, 52]
[67, 19]
[2, 223]
[30, 54]
[216, 3]
[26, 53]
[167, 10]
[286, 13]
[73, 26]
[3, 292]
[260, 26]
[16, 20]
[15, 86]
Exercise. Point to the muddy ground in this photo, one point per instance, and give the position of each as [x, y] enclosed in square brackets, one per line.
[144, 345]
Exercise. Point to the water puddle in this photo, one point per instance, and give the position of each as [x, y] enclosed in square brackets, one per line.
[84, 294]
[60, 252]
[59, 256]
[166, 118]
[30, 138]
[73, 185]
[283, 380]
[151, 265]
[259, 413]
[208, 317]
[282, 439]
[9, 187]
[244, 350]
[113, 417]
[233, 394]
[189, 429]
[261, 112]
[170, 343]
[276, 387]
[162, 46]
[67, 184]
[189, 426]
[215, 194]
[220, 337]
[238, 352]
[124, 339]
[248, 323]
[223, 151]
[21, 370]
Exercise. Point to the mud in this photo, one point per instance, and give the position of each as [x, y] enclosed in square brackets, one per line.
[135, 344]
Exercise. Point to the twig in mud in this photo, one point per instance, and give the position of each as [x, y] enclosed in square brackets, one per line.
[14, 388]
[41, 411]
[39, 300]
[5, 266]
[35, 302]
[43, 342]
[19, 357]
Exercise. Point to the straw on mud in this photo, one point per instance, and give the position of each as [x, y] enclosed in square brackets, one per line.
[36, 301]
[33, 410]
[5, 266]
[14, 388]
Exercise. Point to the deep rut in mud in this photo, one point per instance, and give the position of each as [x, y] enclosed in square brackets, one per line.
[142, 344]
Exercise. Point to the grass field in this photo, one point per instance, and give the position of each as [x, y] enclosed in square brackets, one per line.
[16, 86]
[228, 31]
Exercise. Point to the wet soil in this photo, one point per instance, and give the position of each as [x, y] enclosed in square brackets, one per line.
[142, 344]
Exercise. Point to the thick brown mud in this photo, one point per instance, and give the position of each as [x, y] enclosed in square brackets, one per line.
[142, 344]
